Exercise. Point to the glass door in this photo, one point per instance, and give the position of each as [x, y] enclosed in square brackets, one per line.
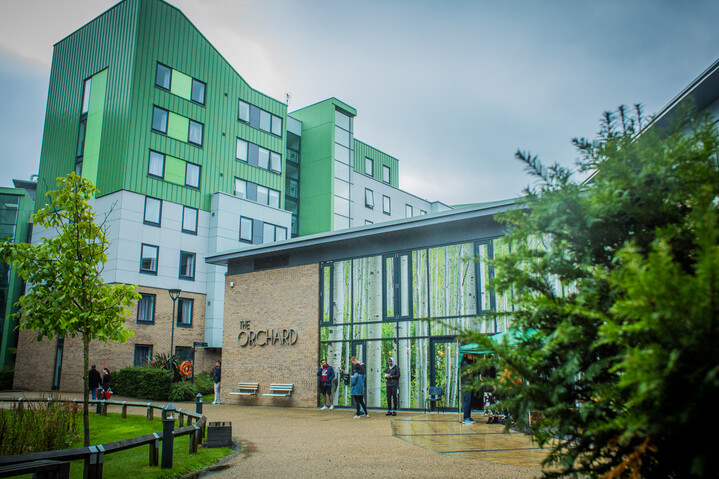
[443, 368]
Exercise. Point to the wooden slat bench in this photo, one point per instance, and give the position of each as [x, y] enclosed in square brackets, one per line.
[246, 389]
[280, 389]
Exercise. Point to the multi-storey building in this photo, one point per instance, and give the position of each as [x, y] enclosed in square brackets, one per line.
[190, 160]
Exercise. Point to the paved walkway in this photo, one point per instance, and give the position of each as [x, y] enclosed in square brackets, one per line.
[300, 442]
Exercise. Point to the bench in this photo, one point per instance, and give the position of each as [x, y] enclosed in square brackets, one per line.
[280, 389]
[246, 389]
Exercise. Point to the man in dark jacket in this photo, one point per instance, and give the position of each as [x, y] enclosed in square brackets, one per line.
[391, 374]
[94, 381]
[326, 375]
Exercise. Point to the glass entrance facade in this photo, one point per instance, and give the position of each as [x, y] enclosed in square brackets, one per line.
[408, 305]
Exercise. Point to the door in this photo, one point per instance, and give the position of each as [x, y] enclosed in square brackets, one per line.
[442, 368]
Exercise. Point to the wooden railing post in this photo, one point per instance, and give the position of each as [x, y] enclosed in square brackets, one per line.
[150, 412]
[124, 409]
[93, 464]
[155, 450]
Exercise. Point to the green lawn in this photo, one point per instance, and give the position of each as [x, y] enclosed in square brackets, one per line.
[134, 462]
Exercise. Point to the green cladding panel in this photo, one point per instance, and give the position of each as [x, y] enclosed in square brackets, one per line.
[127, 42]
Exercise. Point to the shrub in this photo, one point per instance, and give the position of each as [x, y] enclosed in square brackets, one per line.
[187, 390]
[142, 382]
[6, 377]
[37, 427]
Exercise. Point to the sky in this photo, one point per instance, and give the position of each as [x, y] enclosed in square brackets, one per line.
[452, 89]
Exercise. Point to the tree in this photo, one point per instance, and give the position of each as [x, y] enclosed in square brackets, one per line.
[615, 289]
[68, 297]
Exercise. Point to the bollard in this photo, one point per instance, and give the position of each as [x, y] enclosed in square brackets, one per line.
[124, 409]
[168, 438]
[198, 404]
[181, 418]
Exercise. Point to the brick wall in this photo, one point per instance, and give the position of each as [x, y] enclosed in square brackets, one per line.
[35, 360]
[277, 299]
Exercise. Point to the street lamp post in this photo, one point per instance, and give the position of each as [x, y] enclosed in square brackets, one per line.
[174, 294]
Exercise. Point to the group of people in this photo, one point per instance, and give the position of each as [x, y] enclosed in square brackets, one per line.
[356, 381]
[98, 381]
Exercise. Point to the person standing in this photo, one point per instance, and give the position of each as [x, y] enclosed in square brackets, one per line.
[94, 381]
[466, 381]
[357, 391]
[326, 375]
[217, 377]
[105, 381]
[391, 374]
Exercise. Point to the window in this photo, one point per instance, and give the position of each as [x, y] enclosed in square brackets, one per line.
[265, 120]
[159, 120]
[386, 205]
[268, 233]
[246, 229]
[275, 162]
[263, 194]
[156, 165]
[244, 113]
[195, 134]
[198, 92]
[146, 308]
[241, 153]
[274, 198]
[189, 220]
[192, 175]
[184, 312]
[368, 222]
[187, 265]
[184, 353]
[369, 198]
[240, 188]
[153, 211]
[397, 297]
[163, 79]
[143, 354]
[263, 158]
[280, 233]
[86, 96]
[408, 211]
[148, 259]
[369, 166]
[81, 138]
[385, 173]
[276, 125]
[422, 212]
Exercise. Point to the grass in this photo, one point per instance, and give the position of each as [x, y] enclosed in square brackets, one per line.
[134, 462]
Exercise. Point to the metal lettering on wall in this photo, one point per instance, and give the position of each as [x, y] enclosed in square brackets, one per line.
[265, 337]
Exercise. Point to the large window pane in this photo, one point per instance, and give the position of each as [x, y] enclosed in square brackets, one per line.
[342, 171]
[244, 113]
[159, 120]
[153, 211]
[385, 174]
[274, 198]
[276, 125]
[342, 154]
[148, 259]
[262, 195]
[187, 265]
[157, 165]
[241, 153]
[268, 233]
[341, 222]
[342, 137]
[342, 120]
[86, 96]
[265, 120]
[192, 175]
[246, 229]
[369, 198]
[263, 158]
[146, 308]
[240, 188]
[198, 92]
[342, 206]
[369, 166]
[275, 162]
[189, 219]
[184, 312]
[342, 188]
[195, 136]
[164, 76]
[280, 233]
[386, 205]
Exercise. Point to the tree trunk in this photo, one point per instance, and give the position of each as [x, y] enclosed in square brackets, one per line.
[86, 392]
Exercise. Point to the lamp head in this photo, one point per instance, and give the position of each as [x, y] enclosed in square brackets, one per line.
[174, 293]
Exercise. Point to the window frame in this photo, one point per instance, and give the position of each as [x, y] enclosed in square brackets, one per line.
[180, 301]
[157, 259]
[247, 150]
[252, 230]
[167, 119]
[158, 223]
[197, 215]
[397, 286]
[204, 92]
[239, 111]
[371, 169]
[144, 296]
[157, 70]
[388, 204]
[369, 204]
[408, 209]
[386, 169]
[149, 164]
[148, 347]
[188, 165]
[189, 132]
[187, 277]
